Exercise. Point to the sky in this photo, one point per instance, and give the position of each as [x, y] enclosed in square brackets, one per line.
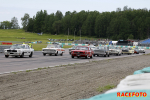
[17, 8]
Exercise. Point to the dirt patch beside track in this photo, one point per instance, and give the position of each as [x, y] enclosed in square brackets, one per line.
[70, 82]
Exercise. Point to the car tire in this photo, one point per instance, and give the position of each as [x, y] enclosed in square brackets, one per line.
[56, 54]
[31, 55]
[118, 54]
[108, 55]
[72, 56]
[104, 55]
[86, 57]
[91, 56]
[61, 54]
[94, 55]
[44, 54]
[22, 55]
[6, 56]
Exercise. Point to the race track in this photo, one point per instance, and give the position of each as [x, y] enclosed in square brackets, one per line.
[13, 64]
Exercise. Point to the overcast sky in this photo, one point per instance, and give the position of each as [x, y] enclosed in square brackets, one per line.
[17, 8]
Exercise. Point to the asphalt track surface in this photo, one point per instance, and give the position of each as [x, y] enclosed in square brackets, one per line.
[13, 64]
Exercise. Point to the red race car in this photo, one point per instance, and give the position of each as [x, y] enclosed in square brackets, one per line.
[82, 51]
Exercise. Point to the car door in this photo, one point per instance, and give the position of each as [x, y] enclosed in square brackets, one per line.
[90, 51]
[26, 50]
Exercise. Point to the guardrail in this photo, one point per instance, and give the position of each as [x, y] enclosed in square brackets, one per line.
[140, 47]
[2, 47]
[70, 44]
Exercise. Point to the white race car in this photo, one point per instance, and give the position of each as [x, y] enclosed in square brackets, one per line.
[115, 50]
[141, 50]
[53, 49]
[92, 47]
[20, 50]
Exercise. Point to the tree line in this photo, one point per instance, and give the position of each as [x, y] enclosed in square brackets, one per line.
[13, 24]
[120, 24]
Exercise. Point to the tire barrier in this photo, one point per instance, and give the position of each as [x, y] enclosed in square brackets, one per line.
[2, 47]
[133, 87]
[140, 47]
[144, 70]
[69, 44]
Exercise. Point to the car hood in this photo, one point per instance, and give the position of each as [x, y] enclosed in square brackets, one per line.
[12, 49]
[80, 50]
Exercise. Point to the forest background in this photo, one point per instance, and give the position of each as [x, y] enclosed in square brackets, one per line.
[120, 24]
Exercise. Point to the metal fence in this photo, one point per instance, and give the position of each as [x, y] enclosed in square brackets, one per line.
[2, 47]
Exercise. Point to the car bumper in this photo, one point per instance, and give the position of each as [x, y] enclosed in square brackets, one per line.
[49, 52]
[12, 54]
[141, 51]
[79, 55]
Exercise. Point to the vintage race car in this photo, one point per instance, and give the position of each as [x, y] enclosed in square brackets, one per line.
[115, 50]
[126, 50]
[101, 50]
[141, 50]
[73, 48]
[53, 49]
[82, 51]
[92, 47]
[20, 50]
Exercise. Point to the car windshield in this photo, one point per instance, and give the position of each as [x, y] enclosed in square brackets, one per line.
[73, 47]
[52, 46]
[17, 46]
[82, 48]
[101, 48]
[125, 48]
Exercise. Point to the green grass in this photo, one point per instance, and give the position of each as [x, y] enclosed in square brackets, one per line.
[17, 34]
[107, 87]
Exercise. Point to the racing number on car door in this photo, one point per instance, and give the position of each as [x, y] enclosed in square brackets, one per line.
[27, 50]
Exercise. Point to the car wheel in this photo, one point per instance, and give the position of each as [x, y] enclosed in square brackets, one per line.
[6, 56]
[31, 55]
[143, 52]
[22, 55]
[72, 56]
[44, 54]
[104, 55]
[86, 57]
[70, 53]
[94, 55]
[91, 56]
[118, 54]
[61, 54]
[56, 54]
[108, 55]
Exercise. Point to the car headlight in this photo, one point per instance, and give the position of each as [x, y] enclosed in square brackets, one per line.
[19, 51]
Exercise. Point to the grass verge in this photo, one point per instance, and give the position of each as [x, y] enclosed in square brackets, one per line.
[107, 87]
